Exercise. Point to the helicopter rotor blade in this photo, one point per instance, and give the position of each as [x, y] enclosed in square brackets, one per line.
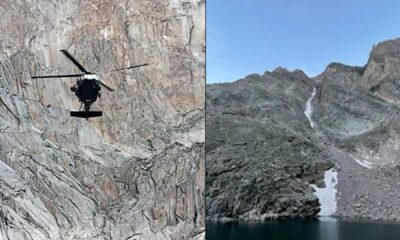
[135, 66]
[74, 61]
[58, 76]
[107, 87]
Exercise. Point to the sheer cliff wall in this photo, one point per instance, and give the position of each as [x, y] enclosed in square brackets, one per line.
[138, 171]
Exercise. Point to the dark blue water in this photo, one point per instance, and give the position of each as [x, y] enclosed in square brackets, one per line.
[317, 229]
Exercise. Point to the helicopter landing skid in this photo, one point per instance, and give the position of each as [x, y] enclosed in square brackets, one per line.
[83, 114]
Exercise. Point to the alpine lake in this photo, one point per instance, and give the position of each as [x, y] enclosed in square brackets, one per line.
[323, 228]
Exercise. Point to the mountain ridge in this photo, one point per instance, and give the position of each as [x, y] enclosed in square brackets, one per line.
[351, 128]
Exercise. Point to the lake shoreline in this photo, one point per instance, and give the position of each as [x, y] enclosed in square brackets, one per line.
[224, 220]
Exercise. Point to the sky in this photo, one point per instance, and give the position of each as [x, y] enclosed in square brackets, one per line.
[254, 36]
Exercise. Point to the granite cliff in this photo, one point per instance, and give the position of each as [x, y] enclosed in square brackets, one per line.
[272, 141]
[135, 173]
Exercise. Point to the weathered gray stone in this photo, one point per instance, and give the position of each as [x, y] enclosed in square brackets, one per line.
[259, 124]
[259, 144]
[135, 173]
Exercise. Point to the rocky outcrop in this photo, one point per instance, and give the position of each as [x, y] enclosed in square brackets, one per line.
[261, 151]
[135, 173]
[352, 126]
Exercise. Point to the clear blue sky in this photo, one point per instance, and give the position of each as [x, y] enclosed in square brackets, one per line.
[252, 36]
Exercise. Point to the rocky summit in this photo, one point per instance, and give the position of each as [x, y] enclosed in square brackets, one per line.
[274, 141]
[138, 171]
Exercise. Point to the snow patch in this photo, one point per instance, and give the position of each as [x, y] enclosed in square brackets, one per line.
[119, 150]
[308, 109]
[363, 163]
[327, 195]
[104, 32]
[36, 130]
[51, 143]
[47, 56]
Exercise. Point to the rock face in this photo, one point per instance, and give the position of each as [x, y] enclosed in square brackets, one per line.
[135, 173]
[269, 137]
[261, 151]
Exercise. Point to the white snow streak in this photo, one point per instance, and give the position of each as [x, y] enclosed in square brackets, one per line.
[119, 150]
[51, 143]
[363, 163]
[47, 56]
[308, 109]
[327, 195]
[36, 130]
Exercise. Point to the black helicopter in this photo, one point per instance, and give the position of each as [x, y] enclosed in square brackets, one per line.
[87, 87]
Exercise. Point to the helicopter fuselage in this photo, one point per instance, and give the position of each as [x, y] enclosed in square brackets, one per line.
[87, 89]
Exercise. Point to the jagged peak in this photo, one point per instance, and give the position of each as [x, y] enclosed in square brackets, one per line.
[336, 66]
[389, 48]
[254, 75]
[281, 71]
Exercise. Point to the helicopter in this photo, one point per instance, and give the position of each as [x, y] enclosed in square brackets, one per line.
[87, 88]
